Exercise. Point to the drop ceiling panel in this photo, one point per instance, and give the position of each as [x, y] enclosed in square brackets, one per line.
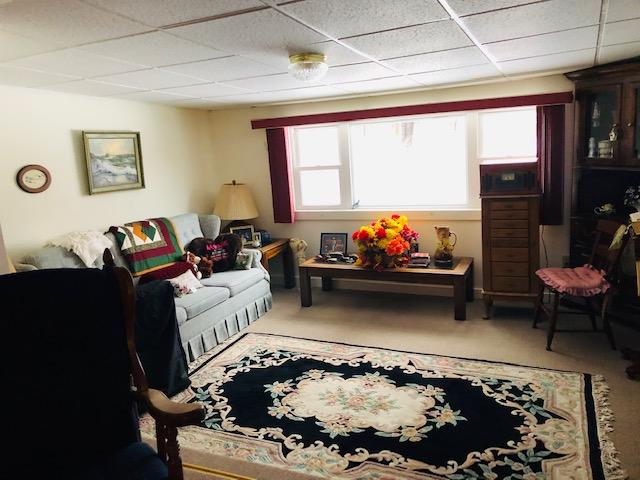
[621, 32]
[361, 71]
[283, 96]
[546, 44]
[255, 32]
[206, 90]
[24, 77]
[74, 61]
[64, 22]
[154, 49]
[168, 12]
[533, 19]
[229, 68]
[380, 85]
[336, 54]
[467, 7]
[91, 87]
[431, 37]
[14, 46]
[621, 51]
[152, 96]
[150, 79]
[341, 18]
[623, 10]
[268, 83]
[559, 61]
[457, 75]
[428, 62]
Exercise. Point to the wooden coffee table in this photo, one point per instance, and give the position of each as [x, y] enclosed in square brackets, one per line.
[460, 277]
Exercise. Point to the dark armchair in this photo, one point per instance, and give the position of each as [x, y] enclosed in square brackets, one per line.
[71, 377]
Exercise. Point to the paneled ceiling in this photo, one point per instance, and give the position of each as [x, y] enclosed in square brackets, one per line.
[220, 53]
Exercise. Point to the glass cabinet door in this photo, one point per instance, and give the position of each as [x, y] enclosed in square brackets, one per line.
[601, 124]
[634, 122]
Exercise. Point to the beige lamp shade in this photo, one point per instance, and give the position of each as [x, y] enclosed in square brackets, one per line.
[235, 202]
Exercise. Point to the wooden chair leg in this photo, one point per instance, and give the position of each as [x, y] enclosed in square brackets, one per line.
[552, 321]
[161, 440]
[591, 312]
[174, 462]
[536, 314]
[605, 320]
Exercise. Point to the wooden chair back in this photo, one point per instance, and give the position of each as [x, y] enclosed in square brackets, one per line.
[604, 256]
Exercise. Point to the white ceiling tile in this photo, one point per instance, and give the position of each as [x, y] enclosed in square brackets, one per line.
[24, 77]
[74, 61]
[154, 49]
[151, 79]
[533, 19]
[206, 90]
[268, 83]
[64, 22]
[380, 85]
[353, 73]
[558, 61]
[356, 17]
[411, 40]
[621, 32]
[228, 68]
[457, 75]
[168, 12]
[577, 39]
[467, 7]
[623, 10]
[282, 96]
[14, 46]
[256, 32]
[428, 62]
[91, 87]
[621, 51]
[336, 54]
[152, 96]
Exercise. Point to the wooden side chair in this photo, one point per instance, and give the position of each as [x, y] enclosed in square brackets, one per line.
[71, 377]
[593, 285]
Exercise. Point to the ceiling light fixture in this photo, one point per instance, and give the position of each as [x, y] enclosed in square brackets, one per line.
[308, 67]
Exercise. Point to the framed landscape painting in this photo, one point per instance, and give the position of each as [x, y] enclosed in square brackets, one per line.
[114, 161]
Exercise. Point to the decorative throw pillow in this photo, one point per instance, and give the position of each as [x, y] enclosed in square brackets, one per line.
[185, 283]
[222, 251]
[148, 245]
[168, 272]
[243, 261]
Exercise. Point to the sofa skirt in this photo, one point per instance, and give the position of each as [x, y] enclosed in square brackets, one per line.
[212, 327]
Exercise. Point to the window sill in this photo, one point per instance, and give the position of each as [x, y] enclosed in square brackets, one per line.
[427, 215]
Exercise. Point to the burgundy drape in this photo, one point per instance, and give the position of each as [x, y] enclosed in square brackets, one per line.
[280, 170]
[551, 163]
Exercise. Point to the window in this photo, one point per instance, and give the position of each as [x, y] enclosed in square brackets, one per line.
[409, 163]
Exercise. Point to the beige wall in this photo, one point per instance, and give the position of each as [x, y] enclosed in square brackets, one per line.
[241, 154]
[45, 128]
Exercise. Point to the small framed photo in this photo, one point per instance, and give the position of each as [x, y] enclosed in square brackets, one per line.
[114, 161]
[257, 239]
[333, 243]
[245, 232]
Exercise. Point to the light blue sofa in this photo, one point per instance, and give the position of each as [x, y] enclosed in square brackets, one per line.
[229, 302]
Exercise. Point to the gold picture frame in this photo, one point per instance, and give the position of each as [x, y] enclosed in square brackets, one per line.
[114, 161]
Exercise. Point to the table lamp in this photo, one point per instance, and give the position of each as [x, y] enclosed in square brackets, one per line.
[235, 203]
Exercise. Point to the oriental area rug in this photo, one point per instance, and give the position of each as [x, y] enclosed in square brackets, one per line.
[350, 412]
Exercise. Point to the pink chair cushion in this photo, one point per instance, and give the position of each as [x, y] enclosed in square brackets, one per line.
[581, 281]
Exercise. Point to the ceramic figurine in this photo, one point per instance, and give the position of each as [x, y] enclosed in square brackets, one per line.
[595, 116]
[613, 134]
[592, 148]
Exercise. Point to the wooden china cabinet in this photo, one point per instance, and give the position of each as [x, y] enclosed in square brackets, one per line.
[606, 161]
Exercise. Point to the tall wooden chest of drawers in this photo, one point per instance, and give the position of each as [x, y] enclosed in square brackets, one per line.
[510, 248]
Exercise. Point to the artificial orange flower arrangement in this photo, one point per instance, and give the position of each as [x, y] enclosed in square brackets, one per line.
[384, 243]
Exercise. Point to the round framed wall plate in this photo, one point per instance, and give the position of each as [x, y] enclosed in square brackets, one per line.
[33, 178]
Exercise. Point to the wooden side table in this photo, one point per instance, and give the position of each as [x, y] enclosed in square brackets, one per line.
[280, 246]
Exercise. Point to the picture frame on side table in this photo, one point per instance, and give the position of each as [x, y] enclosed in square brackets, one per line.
[245, 232]
[333, 243]
[114, 161]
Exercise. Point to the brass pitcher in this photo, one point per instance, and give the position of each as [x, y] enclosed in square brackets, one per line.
[443, 257]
